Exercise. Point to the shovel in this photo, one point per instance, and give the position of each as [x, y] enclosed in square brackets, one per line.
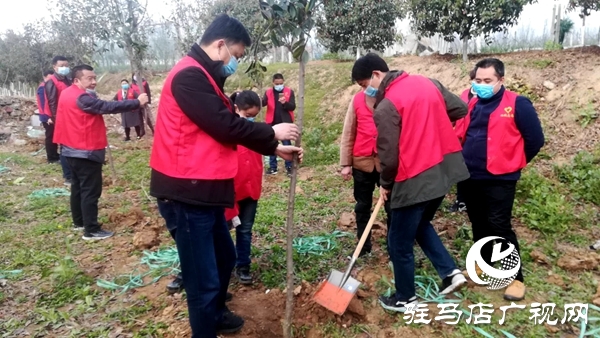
[338, 290]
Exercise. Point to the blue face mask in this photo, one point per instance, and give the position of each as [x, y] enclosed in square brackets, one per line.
[232, 66]
[64, 71]
[125, 86]
[371, 91]
[484, 91]
[251, 119]
[278, 88]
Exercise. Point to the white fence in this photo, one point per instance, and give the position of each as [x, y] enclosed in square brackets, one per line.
[18, 89]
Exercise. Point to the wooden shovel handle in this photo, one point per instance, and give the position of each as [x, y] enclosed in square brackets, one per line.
[367, 231]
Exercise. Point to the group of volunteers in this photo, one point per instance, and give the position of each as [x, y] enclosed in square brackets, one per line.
[403, 132]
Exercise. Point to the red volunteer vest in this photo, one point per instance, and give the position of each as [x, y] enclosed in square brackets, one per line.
[135, 87]
[181, 149]
[287, 92]
[365, 143]
[458, 125]
[505, 144]
[60, 86]
[427, 134]
[248, 181]
[130, 95]
[465, 95]
[37, 97]
[76, 128]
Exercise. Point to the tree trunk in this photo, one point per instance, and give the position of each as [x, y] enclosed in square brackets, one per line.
[289, 303]
[583, 33]
[465, 49]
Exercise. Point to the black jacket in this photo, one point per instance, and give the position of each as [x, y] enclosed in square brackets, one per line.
[52, 93]
[200, 103]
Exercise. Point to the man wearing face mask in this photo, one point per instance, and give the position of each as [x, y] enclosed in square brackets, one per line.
[81, 131]
[281, 103]
[194, 161]
[500, 135]
[358, 148]
[53, 88]
[420, 160]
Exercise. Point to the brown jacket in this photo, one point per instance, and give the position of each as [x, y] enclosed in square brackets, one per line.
[366, 164]
[432, 183]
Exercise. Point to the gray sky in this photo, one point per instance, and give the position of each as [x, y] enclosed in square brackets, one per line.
[16, 13]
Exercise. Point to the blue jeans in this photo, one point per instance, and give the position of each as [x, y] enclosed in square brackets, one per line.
[65, 167]
[273, 159]
[207, 258]
[243, 232]
[409, 224]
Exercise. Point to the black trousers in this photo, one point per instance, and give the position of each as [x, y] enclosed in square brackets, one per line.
[489, 206]
[364, 187]
[128, 131]
[51, 147]
[86, 188]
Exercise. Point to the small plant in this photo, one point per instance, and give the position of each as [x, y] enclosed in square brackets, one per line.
[587, 115]
[551, 45]
[540, 63]
[582, 177]
[541, 206]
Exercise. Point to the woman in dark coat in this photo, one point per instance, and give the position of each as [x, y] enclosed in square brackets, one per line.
[129, 120]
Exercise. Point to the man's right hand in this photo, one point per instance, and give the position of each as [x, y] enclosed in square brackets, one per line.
[50, 121]
[346, 173]
[286, 131]
[143, 98]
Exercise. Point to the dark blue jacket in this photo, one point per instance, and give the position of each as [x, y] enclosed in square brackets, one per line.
[41, 93]
[475, 146]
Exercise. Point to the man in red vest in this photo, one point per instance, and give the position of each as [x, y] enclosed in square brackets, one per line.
[51, 157]
[500, 135]
[194, 161]
[81, 131]
[53, 88]
[420, 160]
[281, 103]
[358, 154]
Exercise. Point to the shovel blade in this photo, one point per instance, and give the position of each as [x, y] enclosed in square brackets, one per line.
[332, 297]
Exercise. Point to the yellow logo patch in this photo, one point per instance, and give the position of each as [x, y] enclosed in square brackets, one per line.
[508, 112]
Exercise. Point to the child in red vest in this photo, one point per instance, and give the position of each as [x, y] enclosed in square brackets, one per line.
[248, 185]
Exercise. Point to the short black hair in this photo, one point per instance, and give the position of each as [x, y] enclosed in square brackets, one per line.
[246, 99]
[58, 58]
[228, 28]
[365, 66]
[124, 80]
[48, 72]
[278, 76]
[472, 74]
[491, 62]
[77, 71]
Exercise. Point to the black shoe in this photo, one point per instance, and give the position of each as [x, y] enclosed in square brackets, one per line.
[127, 139]
[454, 207]
[288, 171]
[97, 235]
[68, 182]
[243, 274]
[230, 323]
[454, 282]
[78, 227]
[54, 162]
[272, 172]
[462, 207]
[228, 297]
[176, 285]
[392, 304]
